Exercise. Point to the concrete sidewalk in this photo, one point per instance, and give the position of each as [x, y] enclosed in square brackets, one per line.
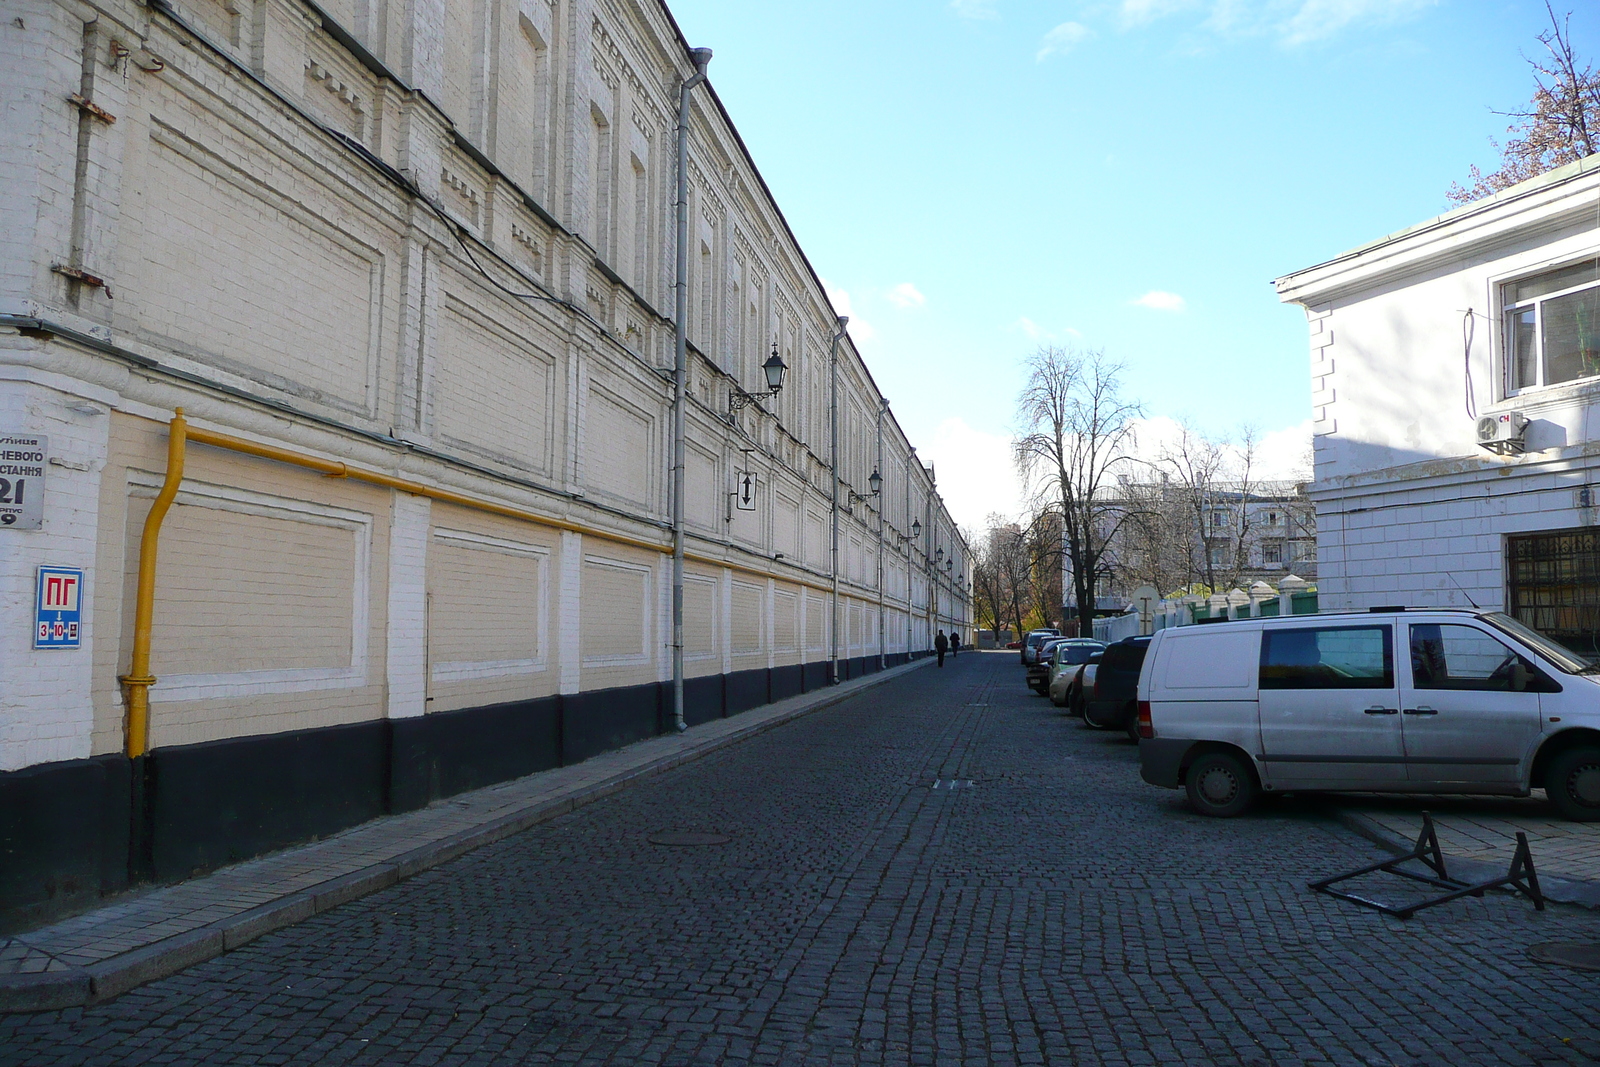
[149, 934]
[1478, 835]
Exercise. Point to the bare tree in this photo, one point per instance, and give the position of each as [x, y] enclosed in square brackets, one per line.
[1561, 125]
[1194, 465]
[989, 588]
[1157, 543]
[1076, 429]
[1242, 516]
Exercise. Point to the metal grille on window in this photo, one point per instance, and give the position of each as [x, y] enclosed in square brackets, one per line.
[1554, 581]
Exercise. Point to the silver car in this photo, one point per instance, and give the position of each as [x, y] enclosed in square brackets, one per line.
[1420, 701]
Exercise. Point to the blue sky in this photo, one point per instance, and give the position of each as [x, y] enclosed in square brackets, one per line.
[977, 176]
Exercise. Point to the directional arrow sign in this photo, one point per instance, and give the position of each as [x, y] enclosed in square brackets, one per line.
[746, 496]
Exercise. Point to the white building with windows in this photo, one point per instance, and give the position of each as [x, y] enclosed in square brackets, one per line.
[1455, 371]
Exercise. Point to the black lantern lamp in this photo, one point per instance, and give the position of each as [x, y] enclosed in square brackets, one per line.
[773, 369]
[916, 528]
[875, 482]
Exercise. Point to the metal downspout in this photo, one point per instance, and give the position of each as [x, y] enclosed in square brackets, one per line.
[833, 469]
[910, 542]
[680, 375]
[883, 627]
[137, 682]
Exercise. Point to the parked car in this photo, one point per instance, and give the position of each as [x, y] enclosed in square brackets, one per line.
[1111, 701]
[1475, 702]
[1081, 681]
[1031, 643]
[1058, 655]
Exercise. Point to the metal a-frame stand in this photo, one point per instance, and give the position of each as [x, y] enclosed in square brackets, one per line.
[1521, 876]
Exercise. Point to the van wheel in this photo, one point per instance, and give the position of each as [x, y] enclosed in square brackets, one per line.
[1572, 782]
[1219, 784]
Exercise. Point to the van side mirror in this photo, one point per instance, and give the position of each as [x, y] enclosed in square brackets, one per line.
[1519, 677]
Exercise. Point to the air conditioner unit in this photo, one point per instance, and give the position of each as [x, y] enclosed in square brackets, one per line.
[1502, 434]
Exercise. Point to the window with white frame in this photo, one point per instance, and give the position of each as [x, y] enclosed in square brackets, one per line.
[1552, 323]
[1271, 553]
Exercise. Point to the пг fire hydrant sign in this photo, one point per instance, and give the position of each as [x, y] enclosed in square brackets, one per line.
[22, 481]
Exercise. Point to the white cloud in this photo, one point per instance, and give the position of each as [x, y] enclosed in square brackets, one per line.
[860, 330]
[1280, 455]
[1285, 455]
[1290, 22]
[1062, 39]
[905, 295]
[975, 472]
[1323, 18]
[1042, 335]
[1161, 300]
[1142, 12]
[974, 9]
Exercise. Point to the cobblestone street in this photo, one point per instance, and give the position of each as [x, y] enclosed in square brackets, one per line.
[943, 871]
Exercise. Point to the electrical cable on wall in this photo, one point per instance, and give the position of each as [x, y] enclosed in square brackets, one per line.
[1469, 330]
[456, 230]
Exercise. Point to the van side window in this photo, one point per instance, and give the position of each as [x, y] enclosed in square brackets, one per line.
[1347, 657]
[1460, 657]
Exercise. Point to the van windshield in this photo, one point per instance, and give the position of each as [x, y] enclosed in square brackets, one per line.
[1560, 655]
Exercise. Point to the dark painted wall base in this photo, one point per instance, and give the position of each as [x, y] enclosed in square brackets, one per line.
[74, 832]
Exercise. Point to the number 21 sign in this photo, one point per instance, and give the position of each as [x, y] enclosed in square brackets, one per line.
[22, 481]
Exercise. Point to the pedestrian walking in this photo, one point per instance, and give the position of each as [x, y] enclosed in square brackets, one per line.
[955, 643]
[941, 645]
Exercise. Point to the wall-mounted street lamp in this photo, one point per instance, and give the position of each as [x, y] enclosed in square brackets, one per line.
[875, 482]
[916, 529]
[774, 369]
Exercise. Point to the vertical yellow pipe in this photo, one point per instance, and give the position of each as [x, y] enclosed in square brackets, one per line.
[137, 682]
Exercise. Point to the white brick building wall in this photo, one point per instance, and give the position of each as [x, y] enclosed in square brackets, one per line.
[282, 226]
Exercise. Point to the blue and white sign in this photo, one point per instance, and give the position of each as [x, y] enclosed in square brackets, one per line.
[60, 619]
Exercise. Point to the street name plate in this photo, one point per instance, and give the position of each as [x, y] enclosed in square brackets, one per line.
[22, 463]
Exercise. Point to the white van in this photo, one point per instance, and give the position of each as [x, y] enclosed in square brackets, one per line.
[1475, 702]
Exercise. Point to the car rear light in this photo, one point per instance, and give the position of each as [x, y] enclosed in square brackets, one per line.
[1095, 692]
[1147, 728]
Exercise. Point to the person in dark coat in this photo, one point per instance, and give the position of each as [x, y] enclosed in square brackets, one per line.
[941, 645]
[955, 643]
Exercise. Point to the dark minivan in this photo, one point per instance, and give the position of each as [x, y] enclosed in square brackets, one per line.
[1113, 702]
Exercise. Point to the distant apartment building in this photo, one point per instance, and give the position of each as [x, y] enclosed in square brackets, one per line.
[1455, 368]
[407, 269]
[1223, 536]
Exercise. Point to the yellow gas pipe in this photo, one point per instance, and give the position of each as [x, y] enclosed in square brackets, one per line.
[137, 682]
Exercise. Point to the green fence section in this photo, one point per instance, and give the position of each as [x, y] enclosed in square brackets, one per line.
[1301, 603]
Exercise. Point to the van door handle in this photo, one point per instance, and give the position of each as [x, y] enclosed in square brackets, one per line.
[1422, 709]
[1382, 711]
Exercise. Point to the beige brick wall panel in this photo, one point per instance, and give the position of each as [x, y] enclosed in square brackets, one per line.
[749, 614]
[250, 592]
[313, 331]
[619, 438]
[495, 391]
[488, 620]
[619, 612]
[255, 596]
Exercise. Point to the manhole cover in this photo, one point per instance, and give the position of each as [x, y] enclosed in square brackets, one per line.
[1564, 954]
[687, 838]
